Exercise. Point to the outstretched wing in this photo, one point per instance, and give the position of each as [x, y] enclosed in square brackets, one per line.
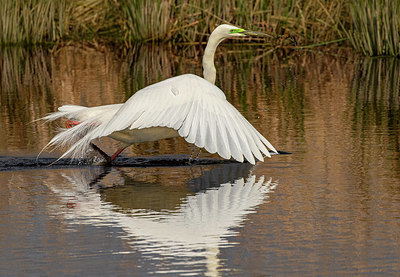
[194, 107]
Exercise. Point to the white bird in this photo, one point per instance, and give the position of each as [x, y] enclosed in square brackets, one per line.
[187, 105]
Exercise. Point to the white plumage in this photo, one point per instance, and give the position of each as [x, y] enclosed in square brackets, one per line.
[187, 106]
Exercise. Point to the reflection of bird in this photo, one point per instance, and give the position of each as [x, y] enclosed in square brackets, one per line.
[187, 106]
[185, 226]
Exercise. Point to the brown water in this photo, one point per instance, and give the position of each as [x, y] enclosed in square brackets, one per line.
[329, 208]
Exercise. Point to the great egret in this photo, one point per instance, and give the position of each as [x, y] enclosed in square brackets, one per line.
[186, 105]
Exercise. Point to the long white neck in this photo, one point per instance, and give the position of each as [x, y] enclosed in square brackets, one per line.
[209, 71]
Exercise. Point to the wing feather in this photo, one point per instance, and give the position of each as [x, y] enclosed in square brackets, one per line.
[244, 142]
[250, 136]
[202, 130]
[180, 115]
[211, 139]
[192, 123]
[255, 135]
[233, 140]
[223, 147]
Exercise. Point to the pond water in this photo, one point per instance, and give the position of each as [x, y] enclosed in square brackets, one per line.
[331, 207]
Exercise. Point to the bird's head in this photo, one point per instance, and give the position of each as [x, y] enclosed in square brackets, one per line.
[217, 36]
[227, 31]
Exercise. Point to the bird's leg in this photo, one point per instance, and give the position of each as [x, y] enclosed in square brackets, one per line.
[101, 152]
[191, 155]
[198, 154]
[72, 123]
[117, 153]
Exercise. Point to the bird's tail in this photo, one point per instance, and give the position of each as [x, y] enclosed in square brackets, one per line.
[68, 111]
[71, 136]
[80, 144]
[78, 138]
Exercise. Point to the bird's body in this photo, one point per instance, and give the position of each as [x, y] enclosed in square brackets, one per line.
[187, 105]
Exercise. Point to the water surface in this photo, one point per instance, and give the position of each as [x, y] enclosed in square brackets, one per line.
[329, 208]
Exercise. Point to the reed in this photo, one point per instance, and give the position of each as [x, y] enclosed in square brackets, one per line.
[312, 21]
[32, 21]
[371, 26]
[147, 20]
[376, 27]
[94, 19]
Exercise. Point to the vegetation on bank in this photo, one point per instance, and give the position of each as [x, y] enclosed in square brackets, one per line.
[375, 27]
[370, 26]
